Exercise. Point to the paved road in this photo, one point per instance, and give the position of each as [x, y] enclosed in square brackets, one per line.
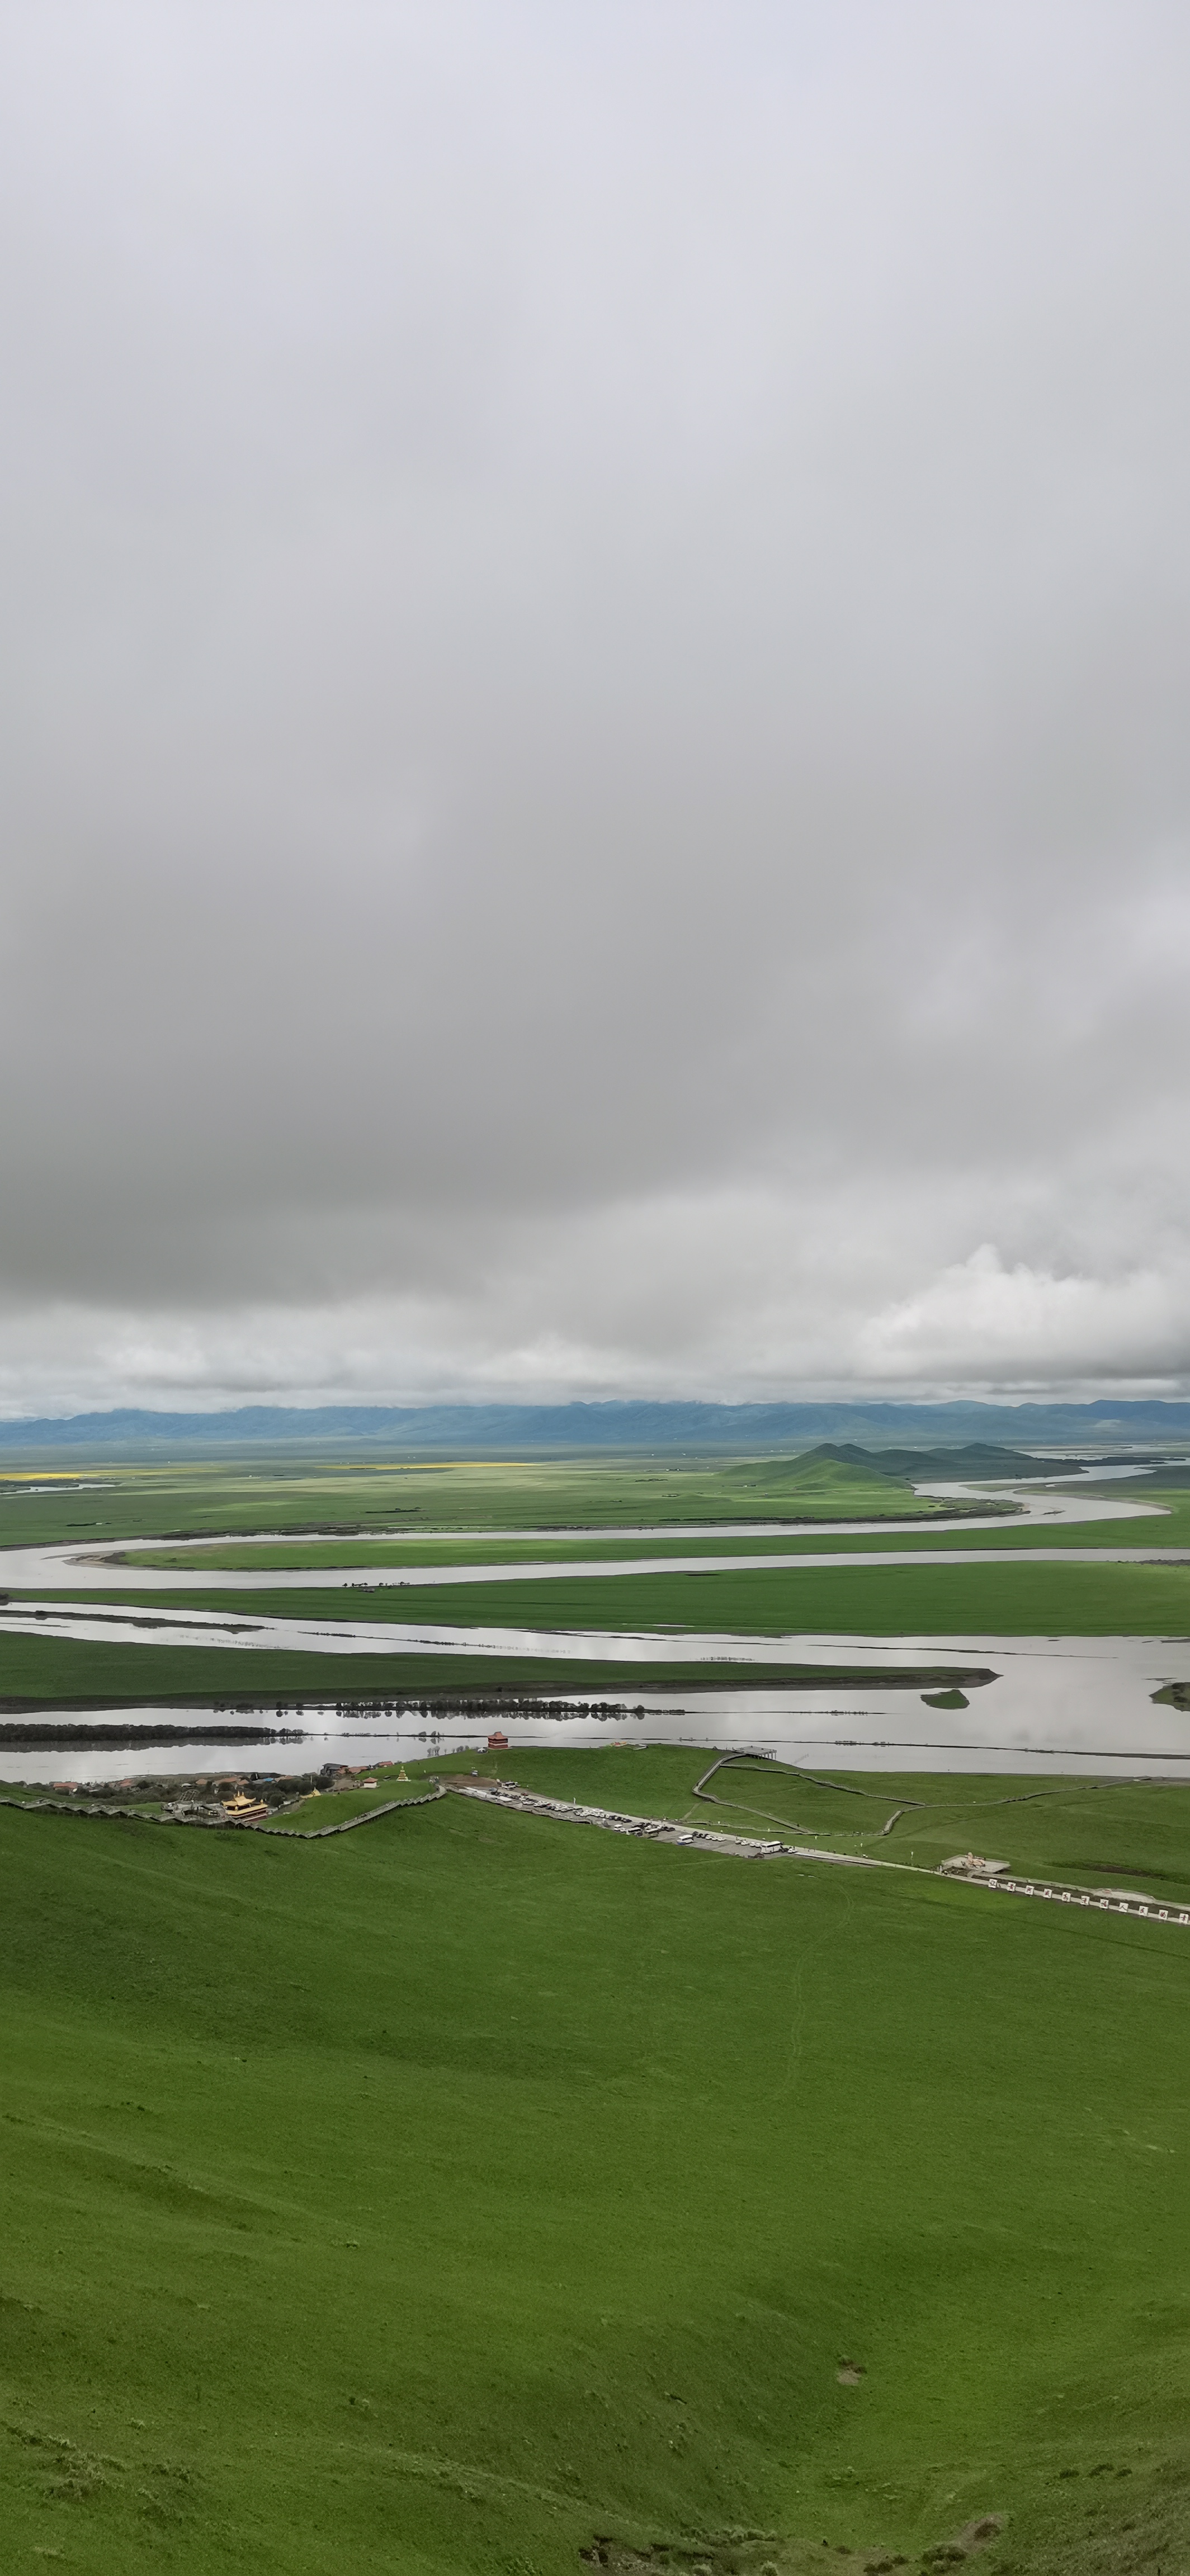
[654, 1829]
[742, 1847]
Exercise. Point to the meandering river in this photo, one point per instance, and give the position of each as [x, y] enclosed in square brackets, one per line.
[1055, 1703]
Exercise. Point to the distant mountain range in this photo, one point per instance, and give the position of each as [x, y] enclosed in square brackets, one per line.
[519, 1430]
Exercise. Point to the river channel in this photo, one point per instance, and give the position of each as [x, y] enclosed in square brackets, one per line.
[1056, 1704]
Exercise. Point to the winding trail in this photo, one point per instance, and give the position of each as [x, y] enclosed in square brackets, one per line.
[739, 1847]
[707, 1840]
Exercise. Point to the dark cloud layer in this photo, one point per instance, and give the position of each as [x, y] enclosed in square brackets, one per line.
[597, 785]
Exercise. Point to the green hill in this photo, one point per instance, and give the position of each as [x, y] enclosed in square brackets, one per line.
[977, 1458]
[862, 1484]
[473, 2192]
[847, 1482]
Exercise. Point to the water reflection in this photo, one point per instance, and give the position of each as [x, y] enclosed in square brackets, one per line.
[1067, 1704]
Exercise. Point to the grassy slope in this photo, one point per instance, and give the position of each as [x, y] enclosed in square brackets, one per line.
[344, 1806]
[432, 2198]
[1134, 1833]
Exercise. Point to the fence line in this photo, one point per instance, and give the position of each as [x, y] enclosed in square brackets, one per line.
[1141, 1907]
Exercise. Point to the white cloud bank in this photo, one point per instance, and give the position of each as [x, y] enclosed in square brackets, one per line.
[1023, 1328]
[649, 1321]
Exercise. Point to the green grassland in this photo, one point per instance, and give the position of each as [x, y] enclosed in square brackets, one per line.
[1133, 1833]
[1011, 1599]
[978, 1600]
[344, 1806]
[411, 1550]
[1015, 1598]
[440, 2196]
[192, 1500]
[264, 1556]
[51, 1672]
[1136, 1832]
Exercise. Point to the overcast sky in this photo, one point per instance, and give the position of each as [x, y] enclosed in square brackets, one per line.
[597, 769]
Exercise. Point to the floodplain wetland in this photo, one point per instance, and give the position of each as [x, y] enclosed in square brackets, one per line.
[511, 1625]
[1020, 1598]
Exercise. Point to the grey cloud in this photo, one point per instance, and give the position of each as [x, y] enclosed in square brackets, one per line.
[597, 786]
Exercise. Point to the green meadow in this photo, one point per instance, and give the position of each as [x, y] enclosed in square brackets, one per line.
[40, 1674]
[469, 2192]
[1017, 1598]
[474, 2192]
[859, 1598]
[1130, 1833]
[324, 1808]
[1013, 1598]
[1169, 1526]
[39, 1507]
